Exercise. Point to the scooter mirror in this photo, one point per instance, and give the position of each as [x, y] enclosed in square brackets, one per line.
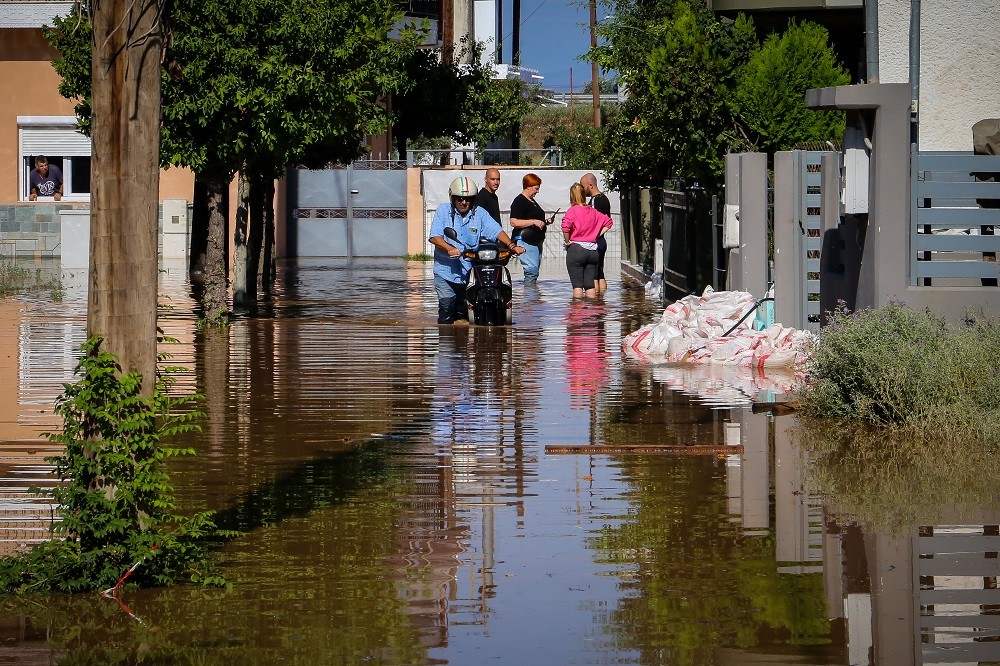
[451, 233]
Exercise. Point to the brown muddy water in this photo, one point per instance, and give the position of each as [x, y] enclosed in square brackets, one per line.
[399, 505]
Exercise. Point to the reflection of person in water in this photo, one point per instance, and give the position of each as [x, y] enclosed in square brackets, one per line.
[586, 356]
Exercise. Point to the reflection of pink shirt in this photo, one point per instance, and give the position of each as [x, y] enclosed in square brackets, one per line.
[584, 224]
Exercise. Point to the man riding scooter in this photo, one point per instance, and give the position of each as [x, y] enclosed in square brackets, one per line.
[451, 269]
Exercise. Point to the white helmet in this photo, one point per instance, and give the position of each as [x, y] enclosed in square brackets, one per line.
[462, 187]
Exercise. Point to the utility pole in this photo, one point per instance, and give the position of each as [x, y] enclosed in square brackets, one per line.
[499, 59]
[515, 51]
[595, 81]
[572, 114]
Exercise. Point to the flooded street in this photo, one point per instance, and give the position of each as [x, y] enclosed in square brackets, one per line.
[399, 506]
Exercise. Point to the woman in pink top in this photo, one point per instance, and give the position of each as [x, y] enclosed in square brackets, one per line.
[581, 227]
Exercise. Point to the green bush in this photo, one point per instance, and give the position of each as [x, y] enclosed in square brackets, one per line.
[771, 89]
[908, 369]
[115, 500]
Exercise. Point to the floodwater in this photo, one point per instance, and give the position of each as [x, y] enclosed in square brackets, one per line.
[403, 501]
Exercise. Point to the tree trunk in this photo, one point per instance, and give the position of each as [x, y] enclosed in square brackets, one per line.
[266, 268]
[216, 259]
[241, 268]
[256, 242]
[121, 305]
[199, 231]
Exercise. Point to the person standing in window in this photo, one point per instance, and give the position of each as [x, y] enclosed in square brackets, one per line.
[46, 180]
[599, 201]
[528, 223]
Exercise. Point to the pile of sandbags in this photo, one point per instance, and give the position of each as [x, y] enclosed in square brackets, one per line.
[717, 328]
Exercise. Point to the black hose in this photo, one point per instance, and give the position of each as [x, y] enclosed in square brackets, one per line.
[742, 319]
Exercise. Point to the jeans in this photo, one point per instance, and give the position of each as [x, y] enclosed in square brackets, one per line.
[451, 301]
[530, 261]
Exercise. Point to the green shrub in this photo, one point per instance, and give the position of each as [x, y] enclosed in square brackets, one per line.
[771, 88]
[905, 368]
[115, 500]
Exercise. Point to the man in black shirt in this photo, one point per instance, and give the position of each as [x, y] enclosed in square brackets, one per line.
[487, 198]
[600, 202]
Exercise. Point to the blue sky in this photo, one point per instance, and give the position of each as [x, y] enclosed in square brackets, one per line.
[554, 34]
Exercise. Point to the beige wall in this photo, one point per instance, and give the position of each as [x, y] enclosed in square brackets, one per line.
[31, 88]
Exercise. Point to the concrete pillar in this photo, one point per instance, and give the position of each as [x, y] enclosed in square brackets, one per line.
[753, 223]
[885, 107]
[788, 278]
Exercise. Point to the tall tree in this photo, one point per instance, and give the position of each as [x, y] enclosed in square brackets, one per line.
[121, 308]
[461, 102]
[678, 64]
[261, 85]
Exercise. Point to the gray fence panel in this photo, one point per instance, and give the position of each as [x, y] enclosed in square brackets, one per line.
[379, 188]
[358, 210]
[322, 189]
[379, 238]
[321, 237]
[947, 196]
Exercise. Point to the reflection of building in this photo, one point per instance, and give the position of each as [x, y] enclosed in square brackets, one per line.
[28, 380]
[923, 596]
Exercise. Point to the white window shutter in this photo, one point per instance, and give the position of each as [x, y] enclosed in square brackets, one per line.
[57, 141]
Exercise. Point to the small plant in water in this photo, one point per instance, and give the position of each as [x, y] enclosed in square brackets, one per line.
[115, 499]
[15, 279]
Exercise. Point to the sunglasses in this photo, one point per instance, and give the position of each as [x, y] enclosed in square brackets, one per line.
[465, 199]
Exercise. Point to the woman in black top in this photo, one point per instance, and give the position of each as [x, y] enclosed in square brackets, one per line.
[528, 221]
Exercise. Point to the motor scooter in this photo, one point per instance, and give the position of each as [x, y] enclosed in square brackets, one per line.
[489, 292]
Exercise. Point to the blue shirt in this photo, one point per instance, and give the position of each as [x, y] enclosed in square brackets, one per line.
[476, 224]
[48, 185]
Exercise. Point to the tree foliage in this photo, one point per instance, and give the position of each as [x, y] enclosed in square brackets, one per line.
[605, 86]
[261, 81]
[115, 500]
[571, 129]
[770, 93]
[462, 102]
[677, 120]
[698, 88]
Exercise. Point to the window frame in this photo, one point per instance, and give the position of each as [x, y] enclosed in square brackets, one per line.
[53, 123]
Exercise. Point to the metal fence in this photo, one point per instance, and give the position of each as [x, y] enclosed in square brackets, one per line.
[358, 210]
[953, 216]
[490, 157]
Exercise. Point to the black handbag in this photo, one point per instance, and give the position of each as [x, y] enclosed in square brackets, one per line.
[532, 235]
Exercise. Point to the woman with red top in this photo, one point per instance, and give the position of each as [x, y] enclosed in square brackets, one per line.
[581, 227]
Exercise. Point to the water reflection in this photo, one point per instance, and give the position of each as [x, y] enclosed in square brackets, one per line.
[398, 507]
[918, 525]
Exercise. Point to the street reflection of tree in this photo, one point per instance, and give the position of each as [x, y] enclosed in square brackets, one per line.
[651, 413]
[700, 584]
[323, 580]
[878, 479]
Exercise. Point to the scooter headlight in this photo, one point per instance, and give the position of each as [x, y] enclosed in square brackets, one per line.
[487, 254]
